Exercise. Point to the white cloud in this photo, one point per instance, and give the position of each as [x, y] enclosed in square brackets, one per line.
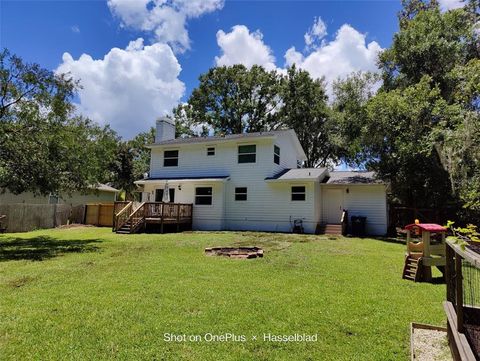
[129, 87]
[347, 53]
[75, 29]
[164, 18]
[316, 33]
[240, 46]
[446, 5]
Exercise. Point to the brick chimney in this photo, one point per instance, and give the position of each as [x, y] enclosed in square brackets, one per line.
[165, 130]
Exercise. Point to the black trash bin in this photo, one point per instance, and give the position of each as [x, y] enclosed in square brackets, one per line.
[358, 226]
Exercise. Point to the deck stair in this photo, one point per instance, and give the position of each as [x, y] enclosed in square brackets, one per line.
[330, 228]
[133, 217]
[413, 268]
[126, 228]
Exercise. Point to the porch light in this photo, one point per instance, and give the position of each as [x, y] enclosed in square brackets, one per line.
[179, 187]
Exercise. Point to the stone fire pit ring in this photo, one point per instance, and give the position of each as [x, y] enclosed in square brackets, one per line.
[235, 252]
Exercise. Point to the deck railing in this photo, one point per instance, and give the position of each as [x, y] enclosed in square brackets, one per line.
[137, 218]
[154, 212]
[462, 276]
[168, 210]
[122, 216]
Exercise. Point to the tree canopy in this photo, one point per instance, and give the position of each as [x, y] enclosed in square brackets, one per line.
[235, 99]
[44, 148]
[420, 131]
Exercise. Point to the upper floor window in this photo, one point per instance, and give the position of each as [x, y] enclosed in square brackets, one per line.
[247, 153]
[210, 151]
[298, 193]
[170, 158]
[203, 195]
[276, 154]
[241, 193]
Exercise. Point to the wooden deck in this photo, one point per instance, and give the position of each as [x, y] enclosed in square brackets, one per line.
[130, 217]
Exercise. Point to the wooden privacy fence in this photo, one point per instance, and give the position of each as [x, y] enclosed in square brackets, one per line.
[99, 214]
[401, 216]
[25, 217]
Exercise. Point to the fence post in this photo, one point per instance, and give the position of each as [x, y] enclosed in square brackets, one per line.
[448, 270]
[55, 215]
[98, 214]
[459, 293]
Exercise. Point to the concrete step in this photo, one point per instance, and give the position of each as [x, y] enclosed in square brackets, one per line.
[332, 229]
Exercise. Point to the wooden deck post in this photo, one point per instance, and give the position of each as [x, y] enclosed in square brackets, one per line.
[448, 270]
[161, 218]
[427, 270]
[178, 217]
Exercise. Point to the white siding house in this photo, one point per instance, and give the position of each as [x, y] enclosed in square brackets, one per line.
[251, 182]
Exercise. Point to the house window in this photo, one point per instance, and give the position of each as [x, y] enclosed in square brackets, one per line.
[159, 195]
[170, 158]
[203, 195]
[247, 153]
[210, 151]
[298, 193]
[276, 154]
[241, 194]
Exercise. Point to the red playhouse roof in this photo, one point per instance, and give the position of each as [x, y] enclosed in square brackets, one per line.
[428, 227]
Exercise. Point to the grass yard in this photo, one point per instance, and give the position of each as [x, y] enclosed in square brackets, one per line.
[88, 294]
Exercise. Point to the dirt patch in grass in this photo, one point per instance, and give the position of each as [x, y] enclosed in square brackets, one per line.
[20, 281]
[74, 226]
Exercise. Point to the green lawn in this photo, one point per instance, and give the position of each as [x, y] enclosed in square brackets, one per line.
[88, 294]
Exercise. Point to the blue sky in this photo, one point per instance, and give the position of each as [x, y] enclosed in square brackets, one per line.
[129, 87]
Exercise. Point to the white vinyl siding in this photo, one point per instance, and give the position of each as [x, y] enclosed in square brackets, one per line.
[363, 200]
[269, 206]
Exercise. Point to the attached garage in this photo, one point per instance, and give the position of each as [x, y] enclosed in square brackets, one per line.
[360, 194]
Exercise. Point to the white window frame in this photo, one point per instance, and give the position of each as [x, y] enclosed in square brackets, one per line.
[165, 158]
[275, 154]
[251, 153]
[204, 196]
[296, 193]
[214, 151]
[241, 194]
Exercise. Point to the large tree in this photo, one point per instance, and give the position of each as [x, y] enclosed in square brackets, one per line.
[43, 147]
[304, 109]
[413, 129]
[239, 100]
[235, 99]
[350, 116]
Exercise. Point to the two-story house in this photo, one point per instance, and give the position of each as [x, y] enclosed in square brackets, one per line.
[253, 182]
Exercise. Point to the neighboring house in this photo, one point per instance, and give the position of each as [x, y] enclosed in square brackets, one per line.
[252, 182]
[101, 193]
